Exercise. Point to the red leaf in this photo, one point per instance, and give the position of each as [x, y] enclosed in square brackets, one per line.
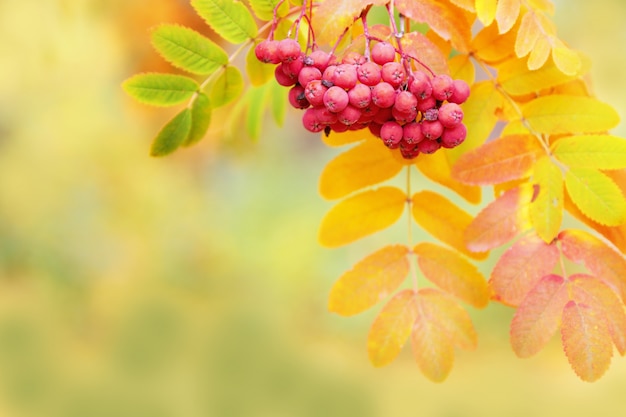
[586, 340]
[501, 220]
[392, 328]
[601, 260]
[539, 315]
[521, 267]
[370, 281]
[593, 292]
[419, 46]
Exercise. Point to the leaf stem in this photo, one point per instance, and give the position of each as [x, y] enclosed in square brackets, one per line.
[409, 202]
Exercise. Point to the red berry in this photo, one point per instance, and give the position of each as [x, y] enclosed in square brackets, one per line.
[349, 116]
[360, 96]
[308, 74]
[338, 127]
[452, 137]
[336, 99]
[267, 51]
[314, 92]
[427, 103]
[297, 98]
[369, 74]
[282, 78]
[383, 52]
[443, 86]
[420, 85]
[450, 114]
[325, 116]
[383, 115]
[403, 117]
[345, 76]
[375, 128]
[319, 59]
[405, 102]
[412, 133]
[311, 122]
[428, 146]
[288, 50]
[432, 130]
[393, 73]
[383, 95]
[391, 133]
[328, 75]
[292, 68]
[460, 92]
[353, 58]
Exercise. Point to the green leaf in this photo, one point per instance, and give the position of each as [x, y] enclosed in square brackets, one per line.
[592, 151]
[256, 97]
[200, 119]
[546, 210]
[230, 19]
[596, 195]
[188, 50]
[173, 134]
[160, 89]
[264, 9]
[258, 72]
[279, 103]
[227, 87]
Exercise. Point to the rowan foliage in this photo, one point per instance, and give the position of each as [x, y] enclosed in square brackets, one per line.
[531, 128]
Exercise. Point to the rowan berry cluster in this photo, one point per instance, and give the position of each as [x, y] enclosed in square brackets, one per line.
[406, 109]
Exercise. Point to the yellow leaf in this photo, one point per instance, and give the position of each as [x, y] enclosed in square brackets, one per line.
[392, 328]
[331, 18]
[527, 34]
[486, 11]
[491, 46]
[539, 54]
[361, 215]
[500, 160]
[556, 114]
[432, 349]
[451, 272]
[518, 80]
[462, 67]
[596, 195]
[465, 4]
[442, 219]
[480, 117]
[591, 151]
[258, 72]
[436, 167]
[586, 340]
[565, 59]
[370, 281]
[507, 12]
[368, 163]
[546, 211]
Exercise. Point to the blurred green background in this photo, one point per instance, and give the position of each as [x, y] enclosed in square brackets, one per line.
[194, 285]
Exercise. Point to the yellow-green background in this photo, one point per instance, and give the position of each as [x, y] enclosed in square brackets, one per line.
[194, 285]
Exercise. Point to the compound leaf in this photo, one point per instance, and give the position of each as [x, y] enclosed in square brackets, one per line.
[230, 19]
[160, 89]
[369, 281]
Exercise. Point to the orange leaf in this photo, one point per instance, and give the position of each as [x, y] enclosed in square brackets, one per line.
[491, 46]
[586, 340]
[539, 315]
[462, 67]
[361, 215]
[546, 210]
[601, 260]
[501, 220]
[593, 292]
[486, 11]
[368, 163]
[442, 17]
[331, 18]
[500, 160]
[442, 219]
[449, 316]
[392, 328]
[370, 281]
[520, 268]
[418, 45]
[436, 167]
[432, 348]
[451, 272]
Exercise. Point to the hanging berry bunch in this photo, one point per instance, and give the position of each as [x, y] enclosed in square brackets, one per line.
[389, 93]
[386, 90]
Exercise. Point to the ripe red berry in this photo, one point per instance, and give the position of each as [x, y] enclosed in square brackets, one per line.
[405, 102]
[375, 128]
[412, 133]
[443, 87]
[325, 116]
[420, 85]
[288, 50]
[369, 74]
[267, 51]
[460, 92]
[427, 103]
[314, 93]
[349, 116]
[403, 117]
[393, 73]
[450, 114]
[311, 122]
[282, 78]
[391, 134]
[383, 115]
[292, 68]
[383, 95]
[452, 137]
[360, 96]
[328, 75]
[428, 146]
[319, 59]
[353, 58]
[308, 74]
[339, 127]
[336, 99]
[432, 130]
[345, 76]
[383, 52]
[297, 98]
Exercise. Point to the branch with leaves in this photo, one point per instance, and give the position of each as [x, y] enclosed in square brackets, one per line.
[506, 106]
